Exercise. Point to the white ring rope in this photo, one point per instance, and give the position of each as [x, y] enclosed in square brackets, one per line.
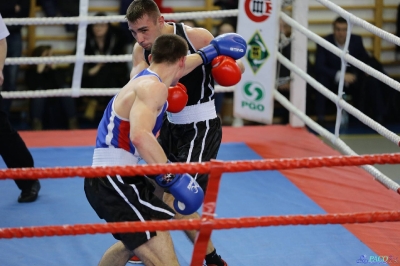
[117, 18]
[335, 140]
[362, 23]
[94, 20]
[59, 93]
[91, 58]
[127, 58]
[343, 147]
[340, 53]
[279, 97]
[82, 92]
[334, 98]
[68, 59]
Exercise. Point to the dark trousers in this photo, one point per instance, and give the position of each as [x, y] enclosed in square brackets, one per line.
[323, 105]
[367, 96]
[10, 72]
[13, 149]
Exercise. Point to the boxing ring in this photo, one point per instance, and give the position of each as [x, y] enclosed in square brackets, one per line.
[296, 202]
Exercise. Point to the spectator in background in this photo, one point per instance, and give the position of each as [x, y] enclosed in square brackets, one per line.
[327, 71]
[45, 77]
[328, 65]
[103, 39]
[56, 8]
[285, 48]
[284, 74]
[13, 9]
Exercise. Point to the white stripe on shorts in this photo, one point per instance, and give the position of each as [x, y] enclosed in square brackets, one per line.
[127, 201]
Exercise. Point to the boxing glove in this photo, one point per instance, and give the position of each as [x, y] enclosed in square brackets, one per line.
[229, 44]
[177, 98]
[180, 85]
[225, 71]
[187, 193]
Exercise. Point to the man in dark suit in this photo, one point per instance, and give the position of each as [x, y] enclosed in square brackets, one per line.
[328, 65]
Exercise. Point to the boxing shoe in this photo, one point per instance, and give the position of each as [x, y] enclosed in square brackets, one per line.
[224, 262]
[135, 260]
[31, 194]
[213, 259]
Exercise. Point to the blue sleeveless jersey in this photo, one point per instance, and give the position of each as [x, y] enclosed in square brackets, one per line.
[113, 130]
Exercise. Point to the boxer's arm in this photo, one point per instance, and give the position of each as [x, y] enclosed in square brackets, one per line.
[199, 37]
[150, 98]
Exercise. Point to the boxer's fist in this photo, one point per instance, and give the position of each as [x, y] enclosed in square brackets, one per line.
[187, 193]
[177, 98]
[180, 85]
[229, 44]
[225, 71]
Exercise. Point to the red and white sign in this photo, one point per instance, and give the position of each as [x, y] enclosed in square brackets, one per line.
[258, 10]
[258, 23]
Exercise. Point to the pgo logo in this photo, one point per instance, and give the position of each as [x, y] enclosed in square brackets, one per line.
[253, 93]
[258, 10]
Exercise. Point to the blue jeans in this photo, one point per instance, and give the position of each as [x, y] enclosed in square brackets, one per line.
[10, 72]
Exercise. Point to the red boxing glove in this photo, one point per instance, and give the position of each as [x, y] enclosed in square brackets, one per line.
[177, 98]
[180, 85]
[225, 71]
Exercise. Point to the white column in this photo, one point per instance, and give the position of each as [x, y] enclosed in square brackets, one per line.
[80, 48]
[299, 58]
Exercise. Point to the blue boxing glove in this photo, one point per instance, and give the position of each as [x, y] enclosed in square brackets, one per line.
[187, 193]
[229, 44]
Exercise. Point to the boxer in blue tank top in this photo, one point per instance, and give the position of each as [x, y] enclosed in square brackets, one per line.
[113, 130]
[126, 133]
